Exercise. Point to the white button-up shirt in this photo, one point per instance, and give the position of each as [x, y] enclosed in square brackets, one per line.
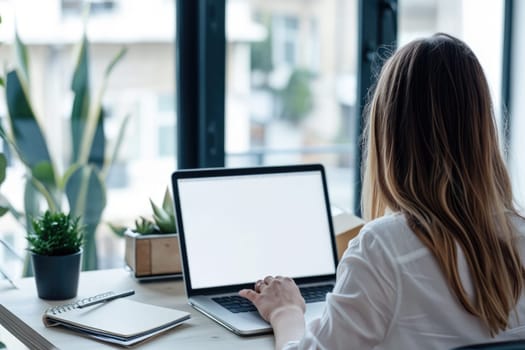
[391, 294]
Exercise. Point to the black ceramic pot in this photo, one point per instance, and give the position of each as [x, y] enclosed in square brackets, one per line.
[56, 277]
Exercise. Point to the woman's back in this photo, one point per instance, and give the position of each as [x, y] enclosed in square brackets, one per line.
[429, 311]
[391, 294]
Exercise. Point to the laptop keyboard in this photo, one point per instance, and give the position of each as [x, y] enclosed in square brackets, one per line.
[236, 303]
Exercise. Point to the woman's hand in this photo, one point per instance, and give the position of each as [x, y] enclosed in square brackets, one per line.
[280, 303]
[274, 295]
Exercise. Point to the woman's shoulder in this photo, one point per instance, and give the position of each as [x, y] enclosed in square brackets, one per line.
[387, 222]
[391, 232]
[389, 227]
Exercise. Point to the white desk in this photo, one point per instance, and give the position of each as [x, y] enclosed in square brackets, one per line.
[197, 333]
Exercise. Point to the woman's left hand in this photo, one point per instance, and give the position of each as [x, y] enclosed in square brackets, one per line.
[273, 295]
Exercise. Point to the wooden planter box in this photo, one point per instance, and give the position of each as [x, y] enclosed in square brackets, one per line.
[153, 256]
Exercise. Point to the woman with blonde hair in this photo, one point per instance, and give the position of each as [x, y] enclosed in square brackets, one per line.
[440, 263]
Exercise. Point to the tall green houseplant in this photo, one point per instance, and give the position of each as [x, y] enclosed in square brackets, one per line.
[83, 182]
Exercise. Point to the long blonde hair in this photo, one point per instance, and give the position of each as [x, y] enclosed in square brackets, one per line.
[432, 153]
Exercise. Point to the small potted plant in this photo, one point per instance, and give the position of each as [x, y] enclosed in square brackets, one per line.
[55, 243]
[152, 247]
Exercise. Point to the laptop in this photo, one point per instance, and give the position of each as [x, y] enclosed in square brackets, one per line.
[238, 225]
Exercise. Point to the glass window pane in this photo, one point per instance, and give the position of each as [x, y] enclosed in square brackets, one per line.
[291, 87]
[517, 103]
[478, 23]
[141, 87]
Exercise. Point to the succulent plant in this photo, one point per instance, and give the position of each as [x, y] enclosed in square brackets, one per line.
[164, 216]
[144, 226]
[55, 233]
[163, 219]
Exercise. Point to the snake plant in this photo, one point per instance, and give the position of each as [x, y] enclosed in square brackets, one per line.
[83, 182]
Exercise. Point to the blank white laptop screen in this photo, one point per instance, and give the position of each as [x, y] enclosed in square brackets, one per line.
[241, 228]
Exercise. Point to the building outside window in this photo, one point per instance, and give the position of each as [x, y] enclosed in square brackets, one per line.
[296, 103]
[286, 31]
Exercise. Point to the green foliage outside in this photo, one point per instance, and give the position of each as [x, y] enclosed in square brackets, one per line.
[261, 52]
[297, 97]
[83, 182]
[55, 234]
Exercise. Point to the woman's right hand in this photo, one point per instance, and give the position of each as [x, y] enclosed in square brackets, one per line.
[273, 295]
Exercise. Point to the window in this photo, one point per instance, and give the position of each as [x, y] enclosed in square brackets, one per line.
[285, 31]
[291, 87]
[76, 7]
[166, 126]
[517, 107]
[478, 23]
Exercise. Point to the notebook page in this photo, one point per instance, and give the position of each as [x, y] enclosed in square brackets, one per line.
[120, 317]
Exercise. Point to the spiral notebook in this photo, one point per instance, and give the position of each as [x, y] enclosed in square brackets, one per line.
[121, 321]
